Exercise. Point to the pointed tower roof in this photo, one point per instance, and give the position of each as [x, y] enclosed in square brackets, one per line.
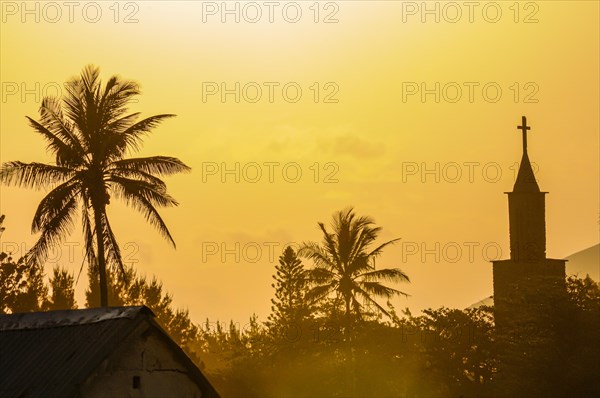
[525, 178]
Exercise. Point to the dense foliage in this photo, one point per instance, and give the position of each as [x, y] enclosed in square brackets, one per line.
[306, 350]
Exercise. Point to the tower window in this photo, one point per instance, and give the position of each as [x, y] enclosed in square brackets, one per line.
[136, 382]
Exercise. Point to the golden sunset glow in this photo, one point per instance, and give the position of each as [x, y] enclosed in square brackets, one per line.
[361, 133]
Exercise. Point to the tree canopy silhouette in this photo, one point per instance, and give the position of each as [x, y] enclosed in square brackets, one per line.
[343, 264]
[90, 132]
[289, 307]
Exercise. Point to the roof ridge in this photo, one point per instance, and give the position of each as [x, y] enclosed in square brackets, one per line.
[60, 318]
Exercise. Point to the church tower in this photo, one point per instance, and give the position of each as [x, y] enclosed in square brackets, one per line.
[529, 290]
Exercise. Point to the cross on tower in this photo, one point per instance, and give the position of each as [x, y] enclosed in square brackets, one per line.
[524, 127]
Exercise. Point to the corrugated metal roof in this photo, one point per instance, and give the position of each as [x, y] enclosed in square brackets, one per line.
[50, 354]
[50, 319]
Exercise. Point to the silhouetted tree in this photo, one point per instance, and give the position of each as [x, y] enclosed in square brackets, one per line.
[63, 291]
[90, 133]
[236, 356]
[22, 287]
[579, 339]
[457, 347]
[139, 291]
[13, 281]
[114, 286]
[34, 295]
[12, 278]
[343, 264]
[442, 352]
[289, 308]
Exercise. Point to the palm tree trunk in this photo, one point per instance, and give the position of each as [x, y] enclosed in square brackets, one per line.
[98, 214]
[347, 318]
[351, 367]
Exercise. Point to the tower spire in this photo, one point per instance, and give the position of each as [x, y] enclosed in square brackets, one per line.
[524, 127]
[525, 181]
[526, 211]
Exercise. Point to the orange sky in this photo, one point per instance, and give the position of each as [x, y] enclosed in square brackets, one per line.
[367, 141]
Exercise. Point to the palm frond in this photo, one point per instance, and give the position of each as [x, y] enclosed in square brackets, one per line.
[112, 248]
[388, 274]
[53, 233]
[75, 110]
[319, 292]
[320, 275]
[53, 120]
[143, 200]
[121, 124]
[377, 251]
[66, 155]
[155, 165]
[88, 232]
[132, 136]
[54, 202]
[129, 189]
[357, 307]
[115, 98]
[358, 264]
[314, 252]
[367, 298]
[363, 235]
[138, 175]
[378, 289]
[330, 245]
[33, 175]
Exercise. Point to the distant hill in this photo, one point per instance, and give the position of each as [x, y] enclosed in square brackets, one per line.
[582, 263]
[486, 301]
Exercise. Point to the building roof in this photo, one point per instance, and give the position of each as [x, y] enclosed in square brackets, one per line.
[50, 354]
[525, 178]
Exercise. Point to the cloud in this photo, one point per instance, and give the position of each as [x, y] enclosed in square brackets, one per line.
[354, 146]
[335, 140]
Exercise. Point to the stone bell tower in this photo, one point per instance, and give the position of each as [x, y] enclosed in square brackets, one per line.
[529, 290]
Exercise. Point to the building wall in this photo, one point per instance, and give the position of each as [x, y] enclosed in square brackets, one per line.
[528, 300]
[149, 360]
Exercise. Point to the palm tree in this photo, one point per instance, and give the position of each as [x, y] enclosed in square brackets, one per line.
[343, 264]
[90, 132]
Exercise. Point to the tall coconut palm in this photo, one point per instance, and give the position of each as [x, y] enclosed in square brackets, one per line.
[343, 264]
[90, 132]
